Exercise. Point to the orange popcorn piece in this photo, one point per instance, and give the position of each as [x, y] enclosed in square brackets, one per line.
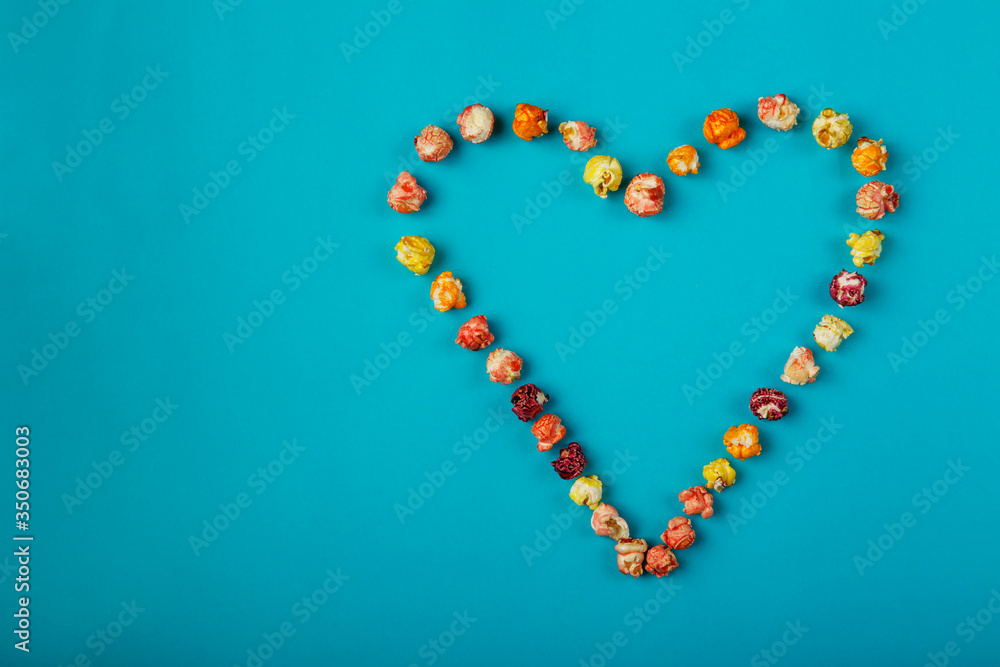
[869, 157]
[549, 430]
[722, 128]
[530, 121]
[742, 441]
[683, 160]
[446, 290]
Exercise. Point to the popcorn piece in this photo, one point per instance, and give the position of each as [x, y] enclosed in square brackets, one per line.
[577, 135]
[832, 129]
[606, 523]
[631, 553]
[530, 121]
[697, 500]
[433, 144]
[586, 491]
[743, 441]
[867, 247]
[722, 128]
[719, 474]
[830, 332]
[875, 198]
[848, 288]
[660, 560]
[769, 404]
[475, 123]
[869, 157]
[527, 401]
[446, 290]
[415, 253]
[604, 173]
[474, 334]
[549, 430]
[800, 367]
[571, 461]
[679, 534]
[406, 196]
[503, 366]
[644, 195]
[778, 112]
[683, 160]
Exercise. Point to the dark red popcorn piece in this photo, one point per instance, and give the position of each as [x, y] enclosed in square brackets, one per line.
[527, 401]
[571, 461]
[769, 404]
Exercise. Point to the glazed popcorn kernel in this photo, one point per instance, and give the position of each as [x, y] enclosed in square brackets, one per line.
[869, 157]
[433, 144]
[800, 367]
[742, 441]
[832, 129]
[446, 290]
[475, 123]
[777, 112]
[474, 334]
[769, 404]
[527, 401]
[683, 160]
[719, 474]
[549, 430]
[679, 533]
[848, 288]
[530, 121]
[644, 195]
[660, 560]
[503, 366]
[875, 198]
[606, 522]
[406, 196]
[830, 332]
[586, 491]
[697, 500]
[867, 247]
[631, 553]
[577, 135]
[603, 173]
[415, 253]
[571, 461]
[722, 128]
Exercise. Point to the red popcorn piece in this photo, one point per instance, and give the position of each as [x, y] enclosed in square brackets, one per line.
[503, 366]
[577, 135]
[660, 560]
[433, 144]
[527, 401]
[631, 553]
[848, 288]
[679, 533]
[769, 404]
[644, 195]
[549, 430]
[475, 123]
[875, 198]
[606, 522]
[474, 334]
[406, 196]
[571, 461]
[777, 112]
[697, 500]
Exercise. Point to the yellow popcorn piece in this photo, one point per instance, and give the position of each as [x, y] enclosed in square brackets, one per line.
[830, 332]
[867, 247]
[719, 474]
[604, 173]
[832, 129]
[415, 253]
[586, 491]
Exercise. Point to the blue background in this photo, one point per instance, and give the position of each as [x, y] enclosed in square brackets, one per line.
[491, 537]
